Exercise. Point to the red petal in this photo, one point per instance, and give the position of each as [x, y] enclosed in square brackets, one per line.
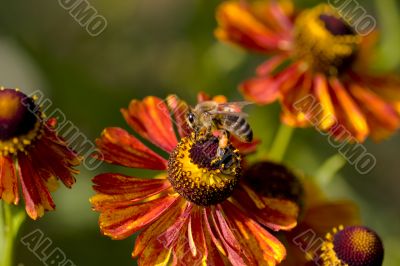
[191, 247]
[155, 254]
[263, 246]
[383, 112]
[196, 237]
[350, 116]
[266, 68]
[170, 236]
[262, 90]
[232, 246]
[281, 19]
[296, 84]
[119, 190]
[54, 159]
[121, 222]
[37, 197]
[119, 147]
[245, 148]
[8, 180]
[60, 146]
[202, 97]
[156, 229]
[237, 24]
[182, 250]
[211, 233]
[152, 120]
[276, 214]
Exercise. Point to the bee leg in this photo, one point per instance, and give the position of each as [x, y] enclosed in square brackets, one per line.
[222, 143]
[222, 147]
[218, 156]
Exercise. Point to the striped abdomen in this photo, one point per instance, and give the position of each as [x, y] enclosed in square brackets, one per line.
[238, 126]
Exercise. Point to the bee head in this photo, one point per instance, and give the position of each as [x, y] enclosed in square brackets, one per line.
[191, 118]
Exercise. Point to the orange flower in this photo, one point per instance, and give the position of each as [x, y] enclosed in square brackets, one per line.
[319, 215]
[187, 214]
[32, 151]
[319, 69]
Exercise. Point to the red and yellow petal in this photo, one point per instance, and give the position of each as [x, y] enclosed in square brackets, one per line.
[215, 256]
[321, 91]
[55, 160]
[36, 195]
[119, 147]
[155, 253]
[121, 222]
[186, 251]
[116, 190]
[375, 107]
[159, 227]
[8, 180]
[351, 117]
[267, 68]
[59, 145]
[387, 87]
[261, 90]
[196, 238]
[244, 147]
[277, 214]
[276, 14]
[265, 248]
[217, 223]
[151, 119]
[295, 85]
[237, 24]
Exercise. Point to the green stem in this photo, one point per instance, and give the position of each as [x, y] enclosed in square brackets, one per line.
[281, 142]
[11, 223]
[329, 169]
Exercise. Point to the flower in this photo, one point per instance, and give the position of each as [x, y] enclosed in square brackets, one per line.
[320, 68]
[353, 245]
[190, 213]
[31, 154]
[318, 215]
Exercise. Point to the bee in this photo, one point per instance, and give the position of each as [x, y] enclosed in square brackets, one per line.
[209, 117]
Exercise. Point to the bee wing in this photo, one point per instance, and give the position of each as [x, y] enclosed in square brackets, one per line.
[239, 114]
[235, 107]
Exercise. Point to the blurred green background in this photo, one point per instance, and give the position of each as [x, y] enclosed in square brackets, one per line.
[158, 47]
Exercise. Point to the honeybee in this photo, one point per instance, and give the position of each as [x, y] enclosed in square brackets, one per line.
[224, 118]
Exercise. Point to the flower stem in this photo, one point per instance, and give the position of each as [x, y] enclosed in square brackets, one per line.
[11, 223]
[329, 169]
[281, 142]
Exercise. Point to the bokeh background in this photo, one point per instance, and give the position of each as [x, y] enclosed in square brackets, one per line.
[158, 47]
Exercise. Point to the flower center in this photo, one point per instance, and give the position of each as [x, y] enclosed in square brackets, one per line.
[274, 180]
[354, 245]
[199, 175]
[324, 41]
[19, 123]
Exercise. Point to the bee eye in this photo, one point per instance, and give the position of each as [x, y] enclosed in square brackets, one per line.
[191, 118]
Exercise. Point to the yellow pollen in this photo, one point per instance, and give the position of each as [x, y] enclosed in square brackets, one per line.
[362, 241]
[201, 184]
[354, 245]
[20, 143]
[322, 50]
